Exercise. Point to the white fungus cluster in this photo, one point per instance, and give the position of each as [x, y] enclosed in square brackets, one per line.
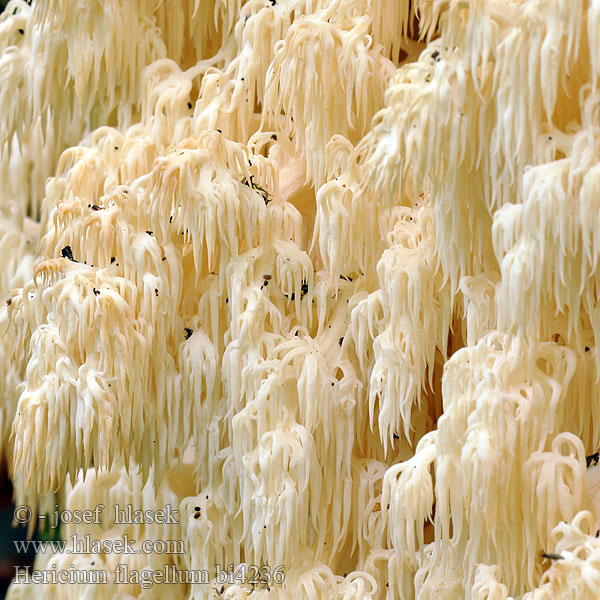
[323, 275]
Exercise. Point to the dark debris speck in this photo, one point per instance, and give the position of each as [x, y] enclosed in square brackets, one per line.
[66, 252]
[552, 556]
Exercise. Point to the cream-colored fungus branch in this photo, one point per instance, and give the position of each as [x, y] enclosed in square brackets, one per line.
[320, 275]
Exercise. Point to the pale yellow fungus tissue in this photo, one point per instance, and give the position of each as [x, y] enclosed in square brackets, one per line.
[318, 281]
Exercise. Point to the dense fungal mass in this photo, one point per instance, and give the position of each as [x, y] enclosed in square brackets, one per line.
[322, 275]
